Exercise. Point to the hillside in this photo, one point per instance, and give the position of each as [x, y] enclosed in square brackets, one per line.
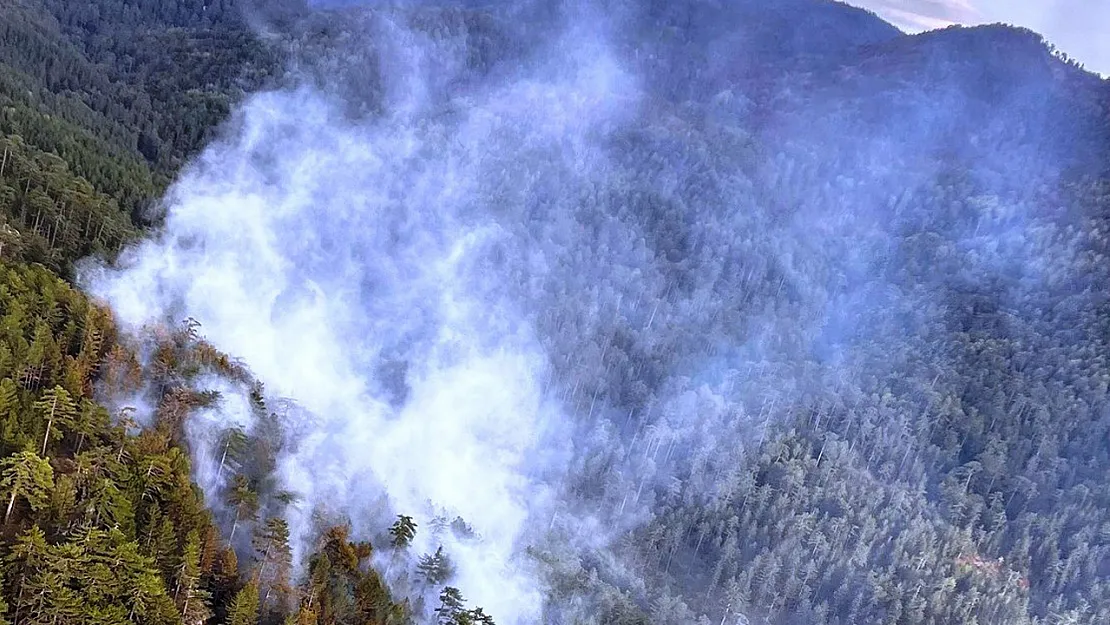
[124, 92]
[724, 312]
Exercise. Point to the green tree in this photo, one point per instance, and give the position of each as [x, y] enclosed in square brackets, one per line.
[450, 606]
[11, 434]
[56, 406]
[403, 531]
[191, 599]
[436, 568]
[243, 501]
[245, 606]
[271, 541]
[28, 476]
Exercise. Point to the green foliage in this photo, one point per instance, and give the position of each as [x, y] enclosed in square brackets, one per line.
[26, 476]
[58, 410]
[403, 531]
[95, 572]
[451, 611]
[124, 91]
[243, 501]
[102, 524]
[245, 608]
[274, 566]
[435, 568]
[100, 104]
[882, 498]
[50, 214]
[341, 587]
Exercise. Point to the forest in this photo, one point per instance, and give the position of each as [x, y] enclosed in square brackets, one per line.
[826, 321]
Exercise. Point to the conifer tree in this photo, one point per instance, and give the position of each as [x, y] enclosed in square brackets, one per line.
[28, 476]
[56, 406]
[436, 568]
[245, 607]
[403, 531]
[243, 501]
[271, 541]
[11, 434]
[191, 599]
[450, 606]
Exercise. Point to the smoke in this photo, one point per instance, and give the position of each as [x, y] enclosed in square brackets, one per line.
[558, 277]
[323, 250]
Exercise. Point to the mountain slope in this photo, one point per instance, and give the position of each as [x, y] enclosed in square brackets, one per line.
[825, 318]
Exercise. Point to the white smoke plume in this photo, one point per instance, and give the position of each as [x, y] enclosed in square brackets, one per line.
[316, 247]
[569, 290]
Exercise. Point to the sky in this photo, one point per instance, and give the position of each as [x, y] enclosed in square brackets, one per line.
[1080, 28]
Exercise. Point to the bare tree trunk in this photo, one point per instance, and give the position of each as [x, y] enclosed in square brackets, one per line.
[49, 423]
[45, 439]
[223, 459]
[11, 504]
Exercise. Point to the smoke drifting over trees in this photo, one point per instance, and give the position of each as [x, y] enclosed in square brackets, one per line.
[679, 311]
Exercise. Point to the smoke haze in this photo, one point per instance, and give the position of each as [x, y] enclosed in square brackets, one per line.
[552, 291]
[323, 250]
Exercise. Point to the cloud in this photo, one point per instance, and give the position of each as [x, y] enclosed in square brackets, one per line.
[917, 15]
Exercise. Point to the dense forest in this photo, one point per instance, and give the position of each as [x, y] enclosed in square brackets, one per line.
[828, 323]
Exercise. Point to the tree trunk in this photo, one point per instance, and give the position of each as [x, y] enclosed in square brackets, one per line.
[49, 423]
[223, 459]
[11, 504]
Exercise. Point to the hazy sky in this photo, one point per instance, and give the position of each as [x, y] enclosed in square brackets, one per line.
[1081, 28]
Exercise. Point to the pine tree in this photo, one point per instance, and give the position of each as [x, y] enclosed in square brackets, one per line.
[403, 531]
[231, 448]
[25, 559]
[271, 541]
[245, 607]
[28, 476]
[91, 419]
[191, 599]
[225, 582]
[3, 603]
[11, 435]
[57, 407]
[450, 606]
[478, 616]
[304, 616]
[243, 501]
[436, 568]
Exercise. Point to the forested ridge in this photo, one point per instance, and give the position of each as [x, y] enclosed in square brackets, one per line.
[936, 455]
